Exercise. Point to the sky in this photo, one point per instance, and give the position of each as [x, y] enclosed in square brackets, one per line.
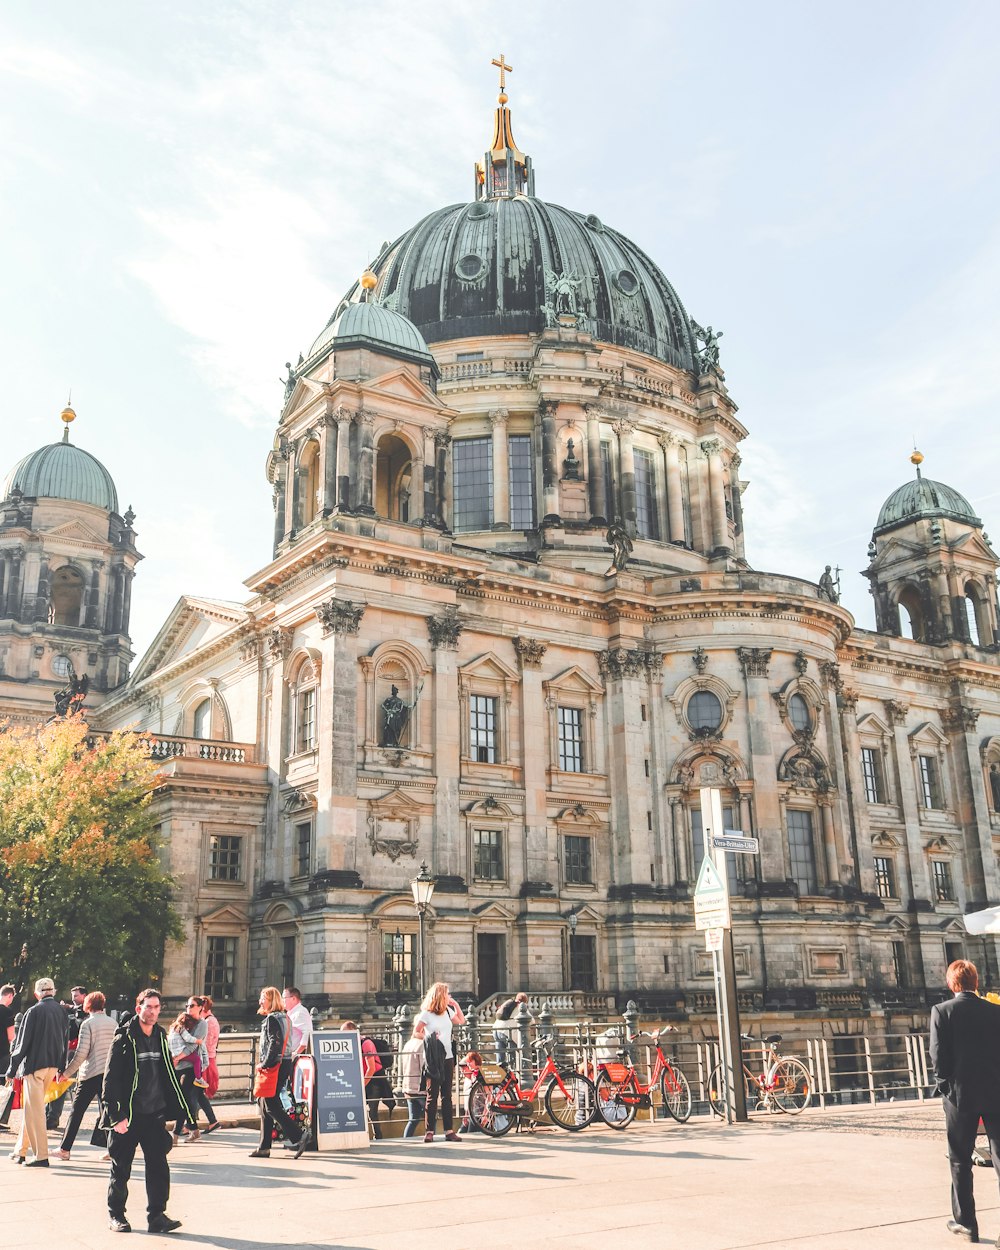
[187, 191]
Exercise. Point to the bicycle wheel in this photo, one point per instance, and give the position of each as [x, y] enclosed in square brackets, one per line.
[717, 1093]
[617, 1101]
[790, 1085]
[573, 1104]
[485, 1114]
[676, 1093]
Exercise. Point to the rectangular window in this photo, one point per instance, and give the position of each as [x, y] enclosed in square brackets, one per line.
[735, 865]
[487, 847]
[607, 471]
[930, 787]
[521, 481]
[802, 851]
[899, 964]
[472, 483]
[303, 848]
[885, 878]
[469, 356]
[582, 962]
[953, 951]
[646, 519]
[225, 858]
[570, 739]
[944, 890]
[871, 768]
[397, 962]
[220, 968]
[579, 870]
[305, 730]
[288, 961]
[483, 729]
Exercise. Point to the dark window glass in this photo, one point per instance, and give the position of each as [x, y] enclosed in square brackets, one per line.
[487, 846]
[871, 768]
[944, 890]
[578, 865]
[737, 868]
[646, 520]
[397, 962]
[220, 968]
[995, 787]
[288, 961]
[306, 726]
[798, 713]
[225, 856]
[521, 477]
[472, 483]
[303, 848]
[802, 851]
[202, 722]
[930, 788]
[704, 710]
[607, 470]
[570, 739]
[582, 962]
[885, 880]
[953, 951]
[899, 964]
[483, 729]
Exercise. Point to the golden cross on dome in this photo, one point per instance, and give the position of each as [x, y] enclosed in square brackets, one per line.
[503, 67]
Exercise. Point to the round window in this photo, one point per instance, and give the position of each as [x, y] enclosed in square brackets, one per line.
[61, 665]
[594, 222]
[704, 712]
[470, 267]
[626, 282]
[798, 713]
[479, 209]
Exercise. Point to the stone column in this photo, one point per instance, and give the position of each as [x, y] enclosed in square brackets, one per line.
[417, 501]
[442, 442]
[626, 470]
[329, 463]
[127, 600]
[973, 812]
[595, 469]
[273, 648]
[344, 466]
[41, 612]
[846, 704]
[682, 851]
[920, 886]
[16, 558]
[501, 470]
[366, 463]
[763, 769]
[278, 498]
[675, 493]
[829, 840]
[625, 675]
[658, 748]
[444, 631]
[712, 447]
[735, 460]
[540, 857]
[550, 469]
[430, 508]
[341, 619]
[93, 595]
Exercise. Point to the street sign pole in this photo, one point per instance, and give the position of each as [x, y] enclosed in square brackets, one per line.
[728, 1004]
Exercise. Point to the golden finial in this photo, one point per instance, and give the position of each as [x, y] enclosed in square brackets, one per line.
[916, 457]
[68, 416]
[369, 281]
[504, 69]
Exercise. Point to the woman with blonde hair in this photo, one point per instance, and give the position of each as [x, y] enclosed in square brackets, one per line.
[274, 1052]
[439, 1012]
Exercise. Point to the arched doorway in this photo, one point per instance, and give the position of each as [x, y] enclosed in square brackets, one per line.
[66, 597]
[393, 474]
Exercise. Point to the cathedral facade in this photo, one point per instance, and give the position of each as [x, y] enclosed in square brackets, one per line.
[507, 628]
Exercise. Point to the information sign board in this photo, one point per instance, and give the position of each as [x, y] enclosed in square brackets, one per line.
[341, 1122]
[711, 899]
[713, 939]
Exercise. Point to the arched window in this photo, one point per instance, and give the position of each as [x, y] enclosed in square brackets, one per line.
[393, 473]
[303, 724]
[995, 788]
[201, 721]
[911, 619]
[977, 621]
[309, 481]
[799, 714]
[66, 597]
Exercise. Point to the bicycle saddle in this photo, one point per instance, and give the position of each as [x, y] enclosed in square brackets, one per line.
[773, 1039]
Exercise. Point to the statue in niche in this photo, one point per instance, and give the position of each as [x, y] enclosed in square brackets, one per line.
[562, 288]
[395, 717]
[571, 466]
[829, 587]
[621, 546]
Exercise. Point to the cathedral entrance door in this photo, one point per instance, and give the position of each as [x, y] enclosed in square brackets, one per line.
[490, 964]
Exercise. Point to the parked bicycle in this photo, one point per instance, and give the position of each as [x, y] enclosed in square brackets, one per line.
[621, 1090]
[497, 1102]
[783, 1082]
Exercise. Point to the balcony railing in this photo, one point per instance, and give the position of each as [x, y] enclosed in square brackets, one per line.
[163, 748]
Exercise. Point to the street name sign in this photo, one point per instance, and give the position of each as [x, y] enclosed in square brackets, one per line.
[733, 840]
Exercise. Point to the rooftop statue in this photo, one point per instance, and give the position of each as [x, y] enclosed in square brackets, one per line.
[621, 546]
[829, 588]
[708, 357]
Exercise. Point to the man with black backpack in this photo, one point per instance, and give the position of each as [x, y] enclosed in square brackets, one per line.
[502, 1026]
[378, 1087]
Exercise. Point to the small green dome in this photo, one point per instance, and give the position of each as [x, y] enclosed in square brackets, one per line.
[923, 497]
[62, 471]
[369, 324]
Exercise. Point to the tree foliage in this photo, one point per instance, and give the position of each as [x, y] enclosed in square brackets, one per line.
[83, 894]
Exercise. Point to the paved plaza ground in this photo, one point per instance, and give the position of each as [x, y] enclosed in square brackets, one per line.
[826, 1180]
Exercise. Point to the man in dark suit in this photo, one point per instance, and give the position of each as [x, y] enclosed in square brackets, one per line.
[965, 1052]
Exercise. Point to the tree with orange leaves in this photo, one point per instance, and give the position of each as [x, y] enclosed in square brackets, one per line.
[83, 894]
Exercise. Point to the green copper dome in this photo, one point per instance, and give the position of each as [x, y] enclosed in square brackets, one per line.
[370, 324]
[62, 471]
[923, 497]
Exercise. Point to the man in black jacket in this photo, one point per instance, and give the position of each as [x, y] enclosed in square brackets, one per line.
[38, 1053]
[965, 1052]
[141, 1092]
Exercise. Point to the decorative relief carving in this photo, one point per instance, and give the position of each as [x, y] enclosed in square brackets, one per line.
[623, 428]
[618, 662]
[895, 711]
[340, 616]
[847, 699]
[700, 659]
[391, 836]
[279, 643]
[735, 462]
[830, 675]
[669, 439]
[529, 652]
[801, 663]
[499, 417]
[711, 446]
[445, 629]
[962, 718]
[754, 660]
[441, 440]
[690, 583]
[252, 647]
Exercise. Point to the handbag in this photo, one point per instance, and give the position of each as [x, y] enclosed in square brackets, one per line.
[265, 1080]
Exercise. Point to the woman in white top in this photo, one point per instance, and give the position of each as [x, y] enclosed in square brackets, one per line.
[439, 1012]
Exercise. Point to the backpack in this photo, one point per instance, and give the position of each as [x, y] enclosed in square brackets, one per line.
[383, 1048]
[378, 1052]
[435, 1057]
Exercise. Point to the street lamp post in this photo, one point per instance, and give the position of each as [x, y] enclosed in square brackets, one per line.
[422, 886]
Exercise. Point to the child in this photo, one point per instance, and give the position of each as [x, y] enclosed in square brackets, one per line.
[470, 1066]
[180, 1036]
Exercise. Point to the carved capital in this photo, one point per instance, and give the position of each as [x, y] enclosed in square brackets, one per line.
[595, 412]
[735, 461]
[366, 417]
[444, 630]
[895, 711]
[441, 440]
[499, 417]
[342, 415]
[340, 616]
[847, 699]
[961, 718]
[830, 675]
[711, 446]
[623, 428]
[279, 643]
[529, 652]
[548, 407]
[754, 660]
[617, 662]
[252, 647]
[669, 439]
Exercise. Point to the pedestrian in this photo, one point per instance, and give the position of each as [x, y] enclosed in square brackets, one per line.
[502, 1026]
[39, 1051]
[189, 1065]
[212, 1031]
[469, 1068]
[302, 1025]
[274, 1072]
[88, 1063]
[188, 1055]
[7, 1030]
[438, 1013]
[371, 1065]
[75, 1016]
[413, 1081]
[965, 1053]
[141, 1092]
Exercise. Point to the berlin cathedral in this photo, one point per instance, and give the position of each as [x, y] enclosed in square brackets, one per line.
[507, 629]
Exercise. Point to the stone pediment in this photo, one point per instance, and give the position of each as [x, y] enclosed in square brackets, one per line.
[589, 914]
[496, 911]
[193, 623]
[574, 678]
[488, 667]
[227, 914]
[400, 384]
[76, 531]
[872, 724]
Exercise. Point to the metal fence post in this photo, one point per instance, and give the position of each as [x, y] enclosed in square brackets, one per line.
[631, 1017]
[522, 1023]
[472, 1026]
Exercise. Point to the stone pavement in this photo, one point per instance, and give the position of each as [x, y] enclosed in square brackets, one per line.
[835, 1180]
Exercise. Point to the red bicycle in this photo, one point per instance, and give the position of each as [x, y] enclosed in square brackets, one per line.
[621, 1090]
[497, 1101]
